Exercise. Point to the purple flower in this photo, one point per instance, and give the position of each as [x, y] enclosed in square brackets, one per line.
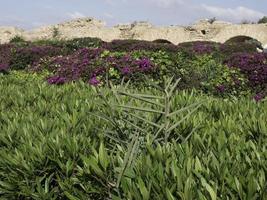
[94, 81]
[203, 48]
[57, 80]
[253, 65]
[221, 88]
[4, 68]
[126, 70]
[258, 97]
[144, 64]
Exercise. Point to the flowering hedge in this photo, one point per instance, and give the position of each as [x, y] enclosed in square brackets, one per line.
[201, 65]
[254, 66]
[93, 65]
[23, 57]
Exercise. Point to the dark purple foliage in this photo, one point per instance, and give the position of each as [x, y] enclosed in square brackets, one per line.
[87, 64]
[221, 88]
[144, 64]
[254, 66]
[227, 50]
[132, 45]
[259, 97]
[4, 68]
[199, 47]
[203, 48]
[22, 57]
[126, 70]
[94, 81]
[5, 56]
[57, 80]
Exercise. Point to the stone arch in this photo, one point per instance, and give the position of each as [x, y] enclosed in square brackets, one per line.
[252, 31]
[162, 41]
[244, 39]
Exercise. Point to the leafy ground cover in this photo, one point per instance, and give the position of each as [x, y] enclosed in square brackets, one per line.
[67, 142]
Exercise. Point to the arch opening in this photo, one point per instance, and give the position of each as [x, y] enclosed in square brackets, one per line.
[245, 39]
[162, 41]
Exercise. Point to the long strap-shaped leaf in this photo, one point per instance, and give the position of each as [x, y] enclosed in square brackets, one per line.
[184, 109]
[128, 157]
[134, 125]
[140, 109]
[142, 119]
[184, 118]
[135, 96]
[143, 95]
[191, 133]
[168, 83]
[158, 132]
[174, 87]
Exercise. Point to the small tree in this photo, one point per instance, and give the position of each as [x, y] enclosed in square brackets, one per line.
[263, 20]
[55, 32]
[212, 20]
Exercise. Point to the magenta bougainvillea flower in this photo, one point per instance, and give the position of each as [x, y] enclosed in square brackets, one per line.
[94, 81]
[258, 97]
[126, 70]
[221, 88]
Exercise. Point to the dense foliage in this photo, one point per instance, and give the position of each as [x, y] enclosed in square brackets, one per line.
[263, 20]
[254, 66]
[208, 66]
[80, 142]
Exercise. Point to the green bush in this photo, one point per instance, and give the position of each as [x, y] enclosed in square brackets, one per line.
[86, 42]
[19, 41]
[50, 42]
[72, 44]
[263, 20]
[216, 78]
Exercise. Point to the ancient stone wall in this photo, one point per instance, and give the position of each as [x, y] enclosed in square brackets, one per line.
[88, 27]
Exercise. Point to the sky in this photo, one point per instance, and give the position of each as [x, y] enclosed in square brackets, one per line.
[29, 14]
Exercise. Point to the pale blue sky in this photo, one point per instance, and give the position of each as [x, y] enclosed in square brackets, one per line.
[34, 13]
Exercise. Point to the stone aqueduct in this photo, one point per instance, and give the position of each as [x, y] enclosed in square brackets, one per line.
[203, 30]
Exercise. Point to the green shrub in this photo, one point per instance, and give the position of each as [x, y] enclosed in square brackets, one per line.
[72, 44]
[19, 41]
[56, 32]
[50, 42]
[263, 20]
[86, 42]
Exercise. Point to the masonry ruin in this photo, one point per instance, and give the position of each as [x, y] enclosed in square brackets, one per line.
[203, 30]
